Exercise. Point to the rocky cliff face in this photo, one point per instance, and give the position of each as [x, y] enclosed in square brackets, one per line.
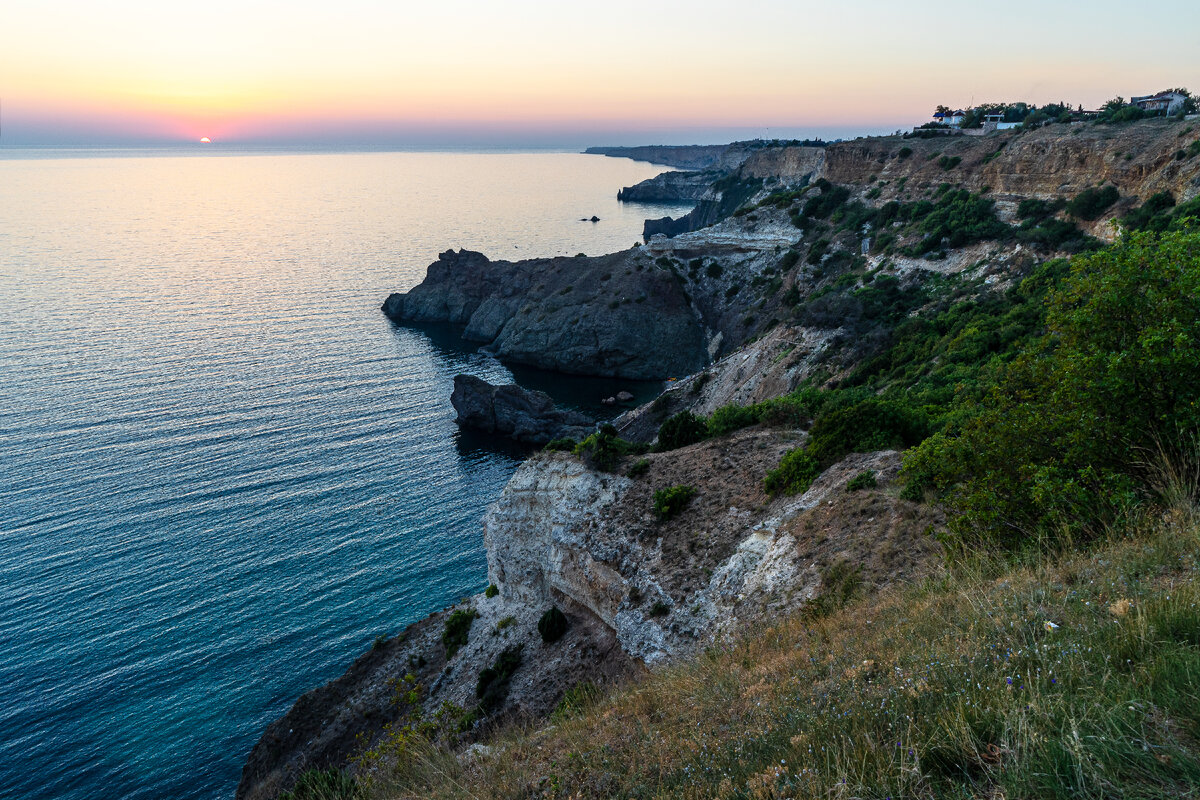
[671, 187]
[636, 590]
[1057, 160]
[721, 157]
[589, 541]
[619, 315]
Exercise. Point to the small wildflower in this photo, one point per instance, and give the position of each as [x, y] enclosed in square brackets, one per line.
[1050, 626]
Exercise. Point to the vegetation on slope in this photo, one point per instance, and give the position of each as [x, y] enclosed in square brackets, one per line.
[1057, 656]
[1071, 679]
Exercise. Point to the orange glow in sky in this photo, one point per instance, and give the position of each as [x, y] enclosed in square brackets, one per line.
[253, 70]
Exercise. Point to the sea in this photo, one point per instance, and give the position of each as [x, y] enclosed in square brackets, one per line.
[223, 473]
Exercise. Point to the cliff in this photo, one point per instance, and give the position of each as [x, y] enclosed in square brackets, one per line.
[803, 278]
[1140, 159]
[671, 187]
[721, 157]
[592, 316]
[636, 590]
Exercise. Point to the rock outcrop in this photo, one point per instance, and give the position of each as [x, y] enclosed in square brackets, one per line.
[618, 315]
[329, 725]
[671, 187]
[1057, 160]
[589, 541]
[511, 411]
[723, 157]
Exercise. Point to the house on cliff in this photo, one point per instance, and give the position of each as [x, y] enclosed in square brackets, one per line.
[953, 118]
[1168, 102]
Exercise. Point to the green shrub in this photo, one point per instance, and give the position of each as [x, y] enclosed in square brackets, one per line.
[957, 218]
[830, 199]
[669, 502]
[492, 687]
[659, 609]
[863, 480]
[789, 260]
[324, 784]
[1057, 450]
[638, 468]
[604, 449]
[1152, 215]
[680, 430]
[552, 625]
[728, 419]
[563, 444]
[714, 270]
[904, 152]
[872, 424]
[1091, 203]
[949, 162]
[458, 626]
[578, 698]
[817, 252]
[840, 583]
[795, 473]
[491, 591]
[789, 410]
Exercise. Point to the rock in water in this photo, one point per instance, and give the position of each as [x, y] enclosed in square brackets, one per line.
[517, 413]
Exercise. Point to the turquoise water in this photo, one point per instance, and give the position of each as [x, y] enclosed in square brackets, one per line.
[224, 473]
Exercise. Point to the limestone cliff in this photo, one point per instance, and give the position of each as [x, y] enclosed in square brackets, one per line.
[1057, 160]
[589, 541]
[636, 590]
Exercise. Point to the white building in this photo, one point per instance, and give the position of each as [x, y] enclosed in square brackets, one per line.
[1166, 102]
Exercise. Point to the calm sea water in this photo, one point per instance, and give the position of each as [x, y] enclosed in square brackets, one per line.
[222, 472]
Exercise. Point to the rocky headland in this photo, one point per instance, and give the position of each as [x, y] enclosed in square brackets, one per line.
[809, 262]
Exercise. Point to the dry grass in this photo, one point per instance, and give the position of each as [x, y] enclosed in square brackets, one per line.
[1079, 678]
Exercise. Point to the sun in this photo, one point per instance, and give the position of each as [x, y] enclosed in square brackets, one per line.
[205, 140]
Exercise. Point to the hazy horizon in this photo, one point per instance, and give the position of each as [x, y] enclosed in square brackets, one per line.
[539, 74]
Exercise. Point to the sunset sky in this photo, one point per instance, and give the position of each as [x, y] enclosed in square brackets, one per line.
[460, 72]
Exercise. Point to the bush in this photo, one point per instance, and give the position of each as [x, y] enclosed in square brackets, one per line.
[324, 784]
[728, 419]
[604, 449]
[958, 218]
[949, 162]
[458, 626]
[1058, 450]
[638, 468]
[1152, 215]
[714, 270]
[872, 424]
[863, 480]
[831, 198]
[1091, 203]
[491, 591]
[659, 609]
[553, 625]
[795, 473]
[492, 687]
[680, 430]
[669, 502]
[564, 445]
[904, 152]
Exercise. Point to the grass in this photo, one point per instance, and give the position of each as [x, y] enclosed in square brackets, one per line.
[1071, 678]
